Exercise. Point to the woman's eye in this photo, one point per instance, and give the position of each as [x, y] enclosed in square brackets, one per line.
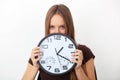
[51, 27]
[62, 27]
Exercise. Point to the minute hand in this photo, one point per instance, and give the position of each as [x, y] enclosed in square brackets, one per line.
[64, 57]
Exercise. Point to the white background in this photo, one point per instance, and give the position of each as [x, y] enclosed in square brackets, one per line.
[22, 26]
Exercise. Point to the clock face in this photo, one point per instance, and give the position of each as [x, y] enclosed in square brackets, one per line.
[56, 49]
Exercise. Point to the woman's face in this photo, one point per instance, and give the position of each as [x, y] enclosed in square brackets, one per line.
[57, 25]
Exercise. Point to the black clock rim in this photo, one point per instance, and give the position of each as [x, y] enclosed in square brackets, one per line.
[57, 34]
[50, 73]
[74, 64]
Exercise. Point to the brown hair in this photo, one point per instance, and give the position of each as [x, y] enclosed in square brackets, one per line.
[63, 11]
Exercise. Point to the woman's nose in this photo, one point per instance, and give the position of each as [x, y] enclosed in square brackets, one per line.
[57, 30]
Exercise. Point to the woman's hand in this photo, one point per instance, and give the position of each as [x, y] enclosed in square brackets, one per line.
[77, 57]
[36, 54]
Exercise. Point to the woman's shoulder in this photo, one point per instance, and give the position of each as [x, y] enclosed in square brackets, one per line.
[83, 47]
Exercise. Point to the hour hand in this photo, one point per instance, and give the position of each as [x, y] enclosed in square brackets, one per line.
[58, 51]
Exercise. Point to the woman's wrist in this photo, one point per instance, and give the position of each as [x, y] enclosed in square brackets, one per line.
[36, 66]
[78, 68]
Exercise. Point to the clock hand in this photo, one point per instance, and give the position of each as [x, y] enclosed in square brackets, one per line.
[58, 51]
[64, 57]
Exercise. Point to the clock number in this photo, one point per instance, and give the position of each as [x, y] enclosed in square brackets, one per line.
[72, 52]
[49, 40]
[42, 61]
[57, 70]
[65, 67]
[65, 39]
[57, 37]
[49, 67]
[70, 46]
[45, 46]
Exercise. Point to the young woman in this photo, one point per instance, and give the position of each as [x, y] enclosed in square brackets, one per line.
[59, 20]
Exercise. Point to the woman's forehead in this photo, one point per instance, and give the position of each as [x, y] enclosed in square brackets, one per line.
[57, 20]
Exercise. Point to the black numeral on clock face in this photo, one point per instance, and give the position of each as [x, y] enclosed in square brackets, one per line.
[57, 37]
[42, 61]
[57, 70]
[45, 46]
[49, 67]
[65, 67]
[49, 40]
[70, 46]
[65, 39]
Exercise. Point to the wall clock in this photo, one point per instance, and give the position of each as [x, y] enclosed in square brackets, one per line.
[56, 49]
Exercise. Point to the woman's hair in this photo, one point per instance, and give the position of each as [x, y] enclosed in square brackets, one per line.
[64, 12]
